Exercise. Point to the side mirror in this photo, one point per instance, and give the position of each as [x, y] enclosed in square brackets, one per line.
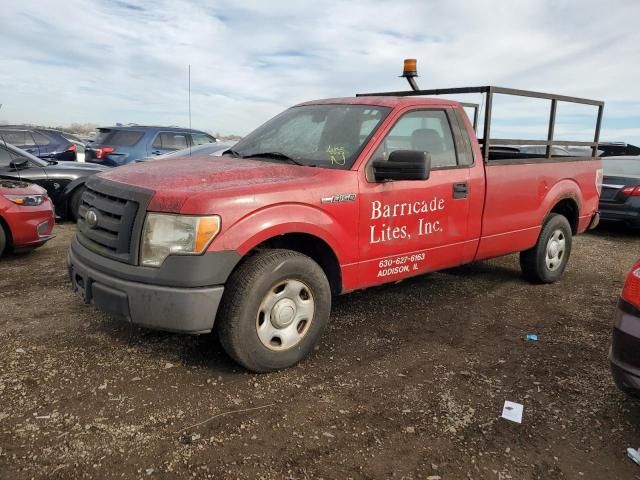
[403, 165]
[19, 163]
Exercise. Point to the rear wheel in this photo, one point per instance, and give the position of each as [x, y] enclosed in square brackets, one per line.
[74, 204]
[276, 306]
[547, 260]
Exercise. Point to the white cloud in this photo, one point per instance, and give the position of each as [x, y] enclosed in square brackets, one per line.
[124, 61]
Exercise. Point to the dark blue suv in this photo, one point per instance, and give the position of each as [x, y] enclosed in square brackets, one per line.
[43, 142]
[115, 146]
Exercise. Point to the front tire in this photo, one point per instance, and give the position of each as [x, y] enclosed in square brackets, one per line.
[275, 307]
[547, 260]
[74, 204]
[3, 240]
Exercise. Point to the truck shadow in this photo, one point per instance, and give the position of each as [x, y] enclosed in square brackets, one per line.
[424, 308]
[192, 351]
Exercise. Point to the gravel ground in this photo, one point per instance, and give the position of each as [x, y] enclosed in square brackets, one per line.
[408, 382]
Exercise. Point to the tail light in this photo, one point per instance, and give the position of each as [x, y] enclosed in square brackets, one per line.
[631, 290]
[633, 191]
[599, 180]
[72, 148]
[102, 153]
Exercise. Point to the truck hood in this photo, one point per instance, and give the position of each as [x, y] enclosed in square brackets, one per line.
[175, 180]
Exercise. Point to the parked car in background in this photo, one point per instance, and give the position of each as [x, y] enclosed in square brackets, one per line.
[43, 142]
[208, 149]
[114, 146]
[620, 199]
[26, 216]
[556, 151]
[63, 181]
[617, 149]
[624, 354]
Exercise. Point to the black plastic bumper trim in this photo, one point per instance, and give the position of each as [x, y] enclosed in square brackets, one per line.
[191, 271]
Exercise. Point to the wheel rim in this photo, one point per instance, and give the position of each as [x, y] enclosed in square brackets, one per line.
[556, 247]
[285, 315]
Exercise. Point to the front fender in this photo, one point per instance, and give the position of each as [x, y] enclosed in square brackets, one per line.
[71, 186]
[269, 222]
[63, 199]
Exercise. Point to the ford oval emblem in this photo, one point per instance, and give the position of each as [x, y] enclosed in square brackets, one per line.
[91, 217]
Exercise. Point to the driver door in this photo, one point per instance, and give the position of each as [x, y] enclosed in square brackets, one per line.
[408, 227]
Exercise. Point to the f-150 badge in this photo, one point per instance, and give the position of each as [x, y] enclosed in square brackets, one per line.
[342, 197]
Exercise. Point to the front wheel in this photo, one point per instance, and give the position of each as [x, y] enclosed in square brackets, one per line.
[74, 204]
[3, 240]
[275, 307]
[546, 261]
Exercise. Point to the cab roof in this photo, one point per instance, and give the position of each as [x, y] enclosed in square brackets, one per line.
[385, 101]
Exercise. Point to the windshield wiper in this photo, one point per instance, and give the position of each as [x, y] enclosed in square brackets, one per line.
[277, 156]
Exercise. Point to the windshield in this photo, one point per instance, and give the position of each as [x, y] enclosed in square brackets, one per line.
[328, 136]
[622, 167]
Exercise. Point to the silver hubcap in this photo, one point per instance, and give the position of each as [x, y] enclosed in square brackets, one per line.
[285, 315]
[555, 250]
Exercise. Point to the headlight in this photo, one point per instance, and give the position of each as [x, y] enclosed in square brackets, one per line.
[165, 235]
[27, 200]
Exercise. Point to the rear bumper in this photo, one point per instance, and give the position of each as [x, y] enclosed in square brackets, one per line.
[164, 307]
[105, 162]
[624, 354]
[624, 212]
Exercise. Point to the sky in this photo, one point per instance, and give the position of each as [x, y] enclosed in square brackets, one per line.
[66, 61]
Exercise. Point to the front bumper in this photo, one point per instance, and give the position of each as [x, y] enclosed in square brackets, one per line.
[186, 309]
[624, 354]
[30, 227]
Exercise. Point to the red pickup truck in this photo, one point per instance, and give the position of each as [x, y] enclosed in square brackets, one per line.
[328, 197]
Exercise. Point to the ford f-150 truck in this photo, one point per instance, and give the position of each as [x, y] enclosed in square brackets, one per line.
[328, 197]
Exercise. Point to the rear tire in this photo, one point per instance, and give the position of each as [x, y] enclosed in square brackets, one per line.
[547, 260]
[275, 307]
[74, 204]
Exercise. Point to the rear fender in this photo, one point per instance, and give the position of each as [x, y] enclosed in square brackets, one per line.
[564, 189]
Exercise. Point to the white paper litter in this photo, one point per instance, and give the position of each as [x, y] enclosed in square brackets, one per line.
[512, 411]
[634, 455]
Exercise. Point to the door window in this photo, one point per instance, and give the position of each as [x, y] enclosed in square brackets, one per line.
[202, 138]
[170, 141]
[424, 131]
[17, 137]
[40, 139]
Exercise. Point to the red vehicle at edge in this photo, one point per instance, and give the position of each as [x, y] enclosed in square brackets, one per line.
[327, 197]
[26, 216]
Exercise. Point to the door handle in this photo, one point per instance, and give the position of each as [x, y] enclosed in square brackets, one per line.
[156, 152]
[460, 190]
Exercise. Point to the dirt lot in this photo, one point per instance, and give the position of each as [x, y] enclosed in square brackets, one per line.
[408, 382]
